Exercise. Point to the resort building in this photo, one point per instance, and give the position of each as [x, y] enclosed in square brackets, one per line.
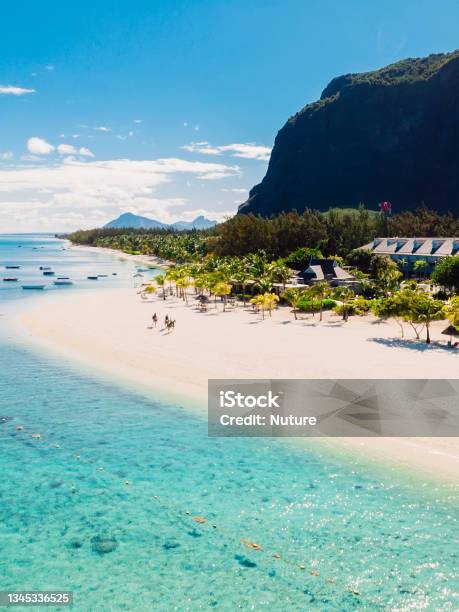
[325, 270]
[411, 250]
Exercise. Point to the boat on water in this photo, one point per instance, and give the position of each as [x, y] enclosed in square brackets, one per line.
[48, 273]
[102, 275]
[63, 278]
[45, 268]
[10, 279]
[12, 267]
[63, 282]
[37, 287]
[93, 278]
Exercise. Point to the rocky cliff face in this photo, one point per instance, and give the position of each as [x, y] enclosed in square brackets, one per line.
[391, 134]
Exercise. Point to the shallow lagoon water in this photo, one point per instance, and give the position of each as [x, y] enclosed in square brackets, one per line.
[104, 503]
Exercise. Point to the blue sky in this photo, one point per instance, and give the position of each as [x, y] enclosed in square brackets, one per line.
[121, 92]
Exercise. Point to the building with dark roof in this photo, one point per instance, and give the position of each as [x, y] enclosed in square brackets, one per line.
[326, 270]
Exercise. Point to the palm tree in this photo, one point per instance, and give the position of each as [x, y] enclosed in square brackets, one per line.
[265, 301]
[183, 283]
[148, 290]
[270, 301]
[222, 289]
[280, 272]
[424, 309]
[320, 291]
[420, 267]
[242, 277]
[452, 311]
[160, 280]
[293, 297]
[172, 276]
[263, 284]
[345, 295]
[402, 264]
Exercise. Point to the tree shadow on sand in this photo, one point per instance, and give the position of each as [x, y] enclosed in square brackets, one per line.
[414, 345]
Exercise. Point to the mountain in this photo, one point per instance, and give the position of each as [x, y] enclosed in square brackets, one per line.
[136, 222]
[391, 134]
[199, 223]
[129, 220]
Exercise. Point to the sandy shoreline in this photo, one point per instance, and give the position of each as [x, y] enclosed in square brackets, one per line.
[111, 332]
[145, 260]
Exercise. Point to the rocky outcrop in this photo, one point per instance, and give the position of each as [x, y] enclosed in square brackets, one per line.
[391, 134]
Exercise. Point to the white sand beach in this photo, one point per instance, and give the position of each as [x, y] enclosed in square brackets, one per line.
[111, 331]
[145, 260]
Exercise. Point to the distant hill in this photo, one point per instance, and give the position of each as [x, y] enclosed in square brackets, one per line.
[129, 220]
[391, 134]
[199, 223]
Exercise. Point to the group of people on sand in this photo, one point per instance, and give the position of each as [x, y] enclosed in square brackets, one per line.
[169, 324]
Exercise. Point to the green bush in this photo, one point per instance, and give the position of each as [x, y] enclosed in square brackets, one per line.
[359, 307]
[307, 305]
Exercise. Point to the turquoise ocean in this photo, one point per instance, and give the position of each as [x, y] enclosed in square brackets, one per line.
[124, 500]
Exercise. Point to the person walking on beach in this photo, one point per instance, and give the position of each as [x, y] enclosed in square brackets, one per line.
[166, 321]
[154, 319]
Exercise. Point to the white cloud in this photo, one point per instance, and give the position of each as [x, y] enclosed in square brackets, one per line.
[68, 149]
[203, 148]
[39, 146]
[72, 193]
[213, 176]
[102, 128]
[185, 124]
[12, 90]
[75, 135]
[248, 150]
[137, 120]
[6, 155]
[85, 152]
[49, 67]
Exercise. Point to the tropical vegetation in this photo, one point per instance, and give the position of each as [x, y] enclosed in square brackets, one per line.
[249, 256]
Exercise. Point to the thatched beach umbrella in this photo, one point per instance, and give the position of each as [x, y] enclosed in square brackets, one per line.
[451, 331]
[202, 298]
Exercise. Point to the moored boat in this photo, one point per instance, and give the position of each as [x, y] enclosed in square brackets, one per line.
[63, 282]
[12, 267]
[45, 268]
[48, 273]
[37, 287]
[93, 277]
[10, 279]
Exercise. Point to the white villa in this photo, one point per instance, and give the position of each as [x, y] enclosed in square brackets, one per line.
[414, 249]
